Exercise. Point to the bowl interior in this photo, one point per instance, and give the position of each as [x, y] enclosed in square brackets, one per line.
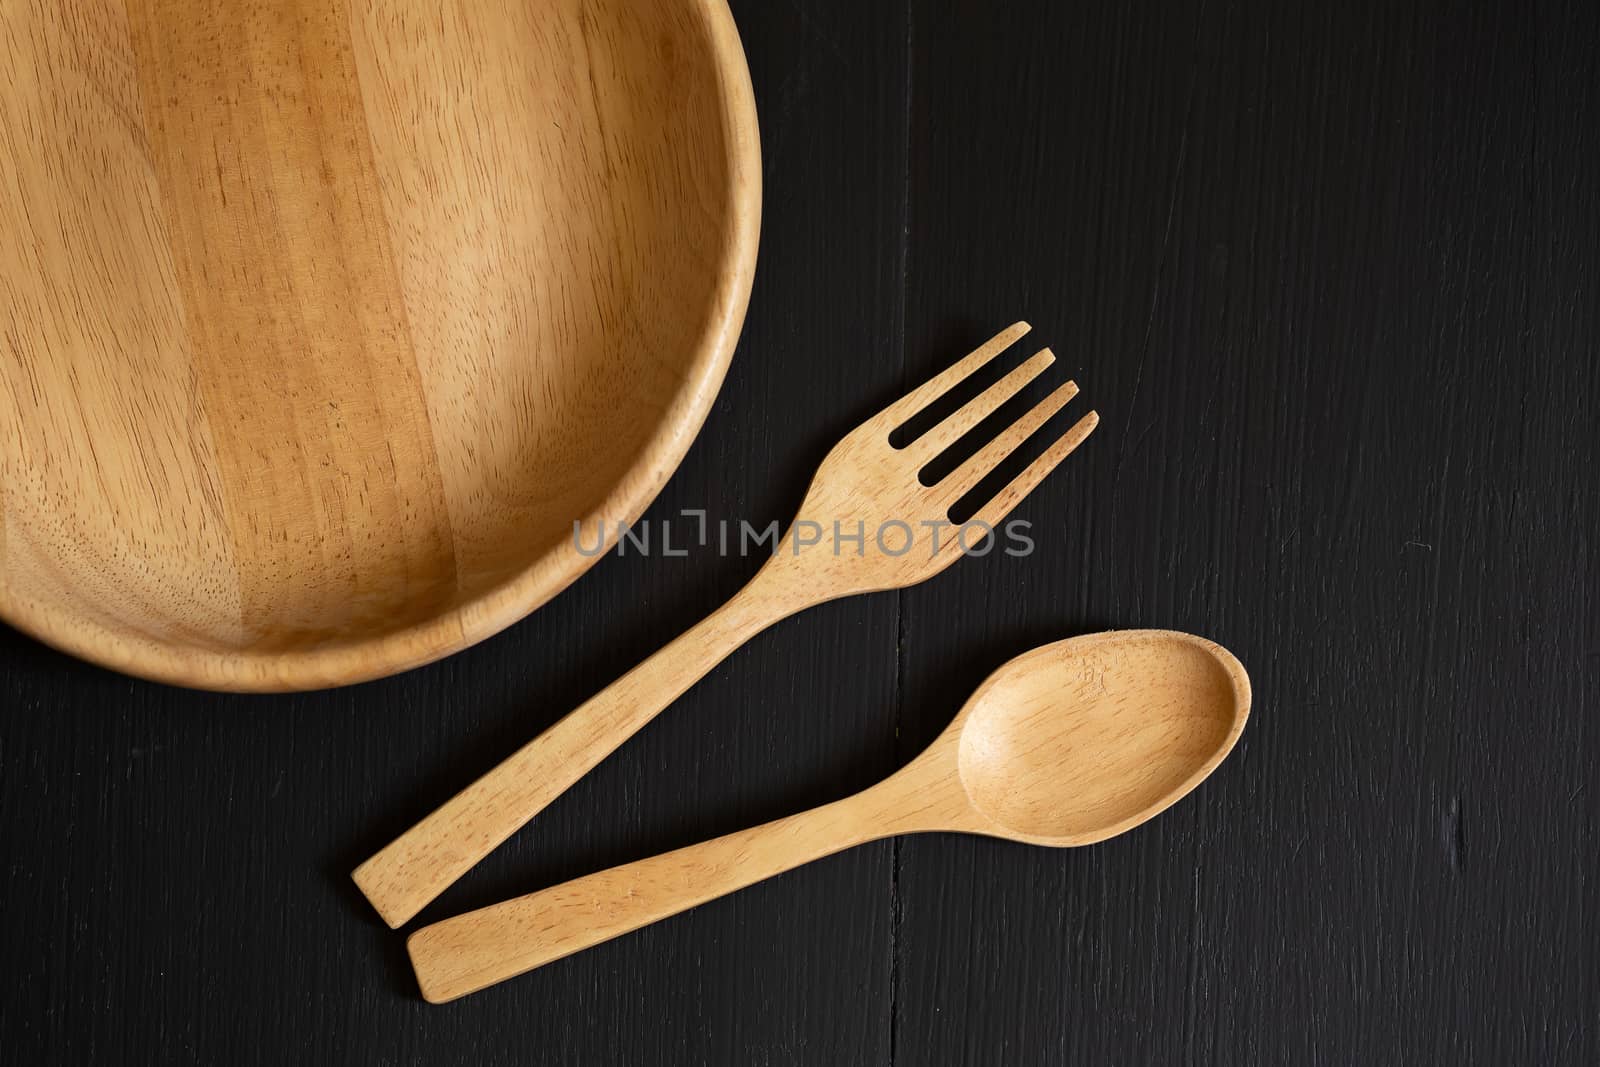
[325, 321]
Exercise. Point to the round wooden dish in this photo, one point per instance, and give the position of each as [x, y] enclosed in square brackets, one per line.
[324, 320]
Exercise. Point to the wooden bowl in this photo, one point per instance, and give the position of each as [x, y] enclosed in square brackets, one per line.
[325, 320]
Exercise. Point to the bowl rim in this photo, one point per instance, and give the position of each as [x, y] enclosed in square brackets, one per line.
[470, 621]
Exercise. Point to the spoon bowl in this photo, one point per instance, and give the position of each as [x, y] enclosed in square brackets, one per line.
[1069, 744]
[1080, 740]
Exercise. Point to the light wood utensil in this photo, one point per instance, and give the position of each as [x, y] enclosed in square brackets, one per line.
[1068, 744]
[321, 321]
[863, 480]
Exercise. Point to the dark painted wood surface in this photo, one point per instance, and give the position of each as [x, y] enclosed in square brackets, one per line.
[1331, 275]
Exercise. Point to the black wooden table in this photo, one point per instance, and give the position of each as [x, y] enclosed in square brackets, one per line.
[1330, 272]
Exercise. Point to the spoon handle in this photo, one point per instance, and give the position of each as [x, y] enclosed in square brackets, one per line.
[469, 952]
[409, 872]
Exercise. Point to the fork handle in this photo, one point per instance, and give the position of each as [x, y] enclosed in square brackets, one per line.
[408, 873]
[469, 952]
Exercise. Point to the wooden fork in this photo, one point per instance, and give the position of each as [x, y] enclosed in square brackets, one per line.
[865, 485]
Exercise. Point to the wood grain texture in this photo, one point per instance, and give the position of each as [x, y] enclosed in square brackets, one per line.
[1330, 271]
[1336, 260]
[329, 319]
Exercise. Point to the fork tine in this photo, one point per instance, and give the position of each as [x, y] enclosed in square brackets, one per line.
[942, 383]
[980, 407]
[996, 510]
[989, 456]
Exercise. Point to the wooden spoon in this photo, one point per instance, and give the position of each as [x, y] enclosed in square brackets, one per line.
[1068, 744]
